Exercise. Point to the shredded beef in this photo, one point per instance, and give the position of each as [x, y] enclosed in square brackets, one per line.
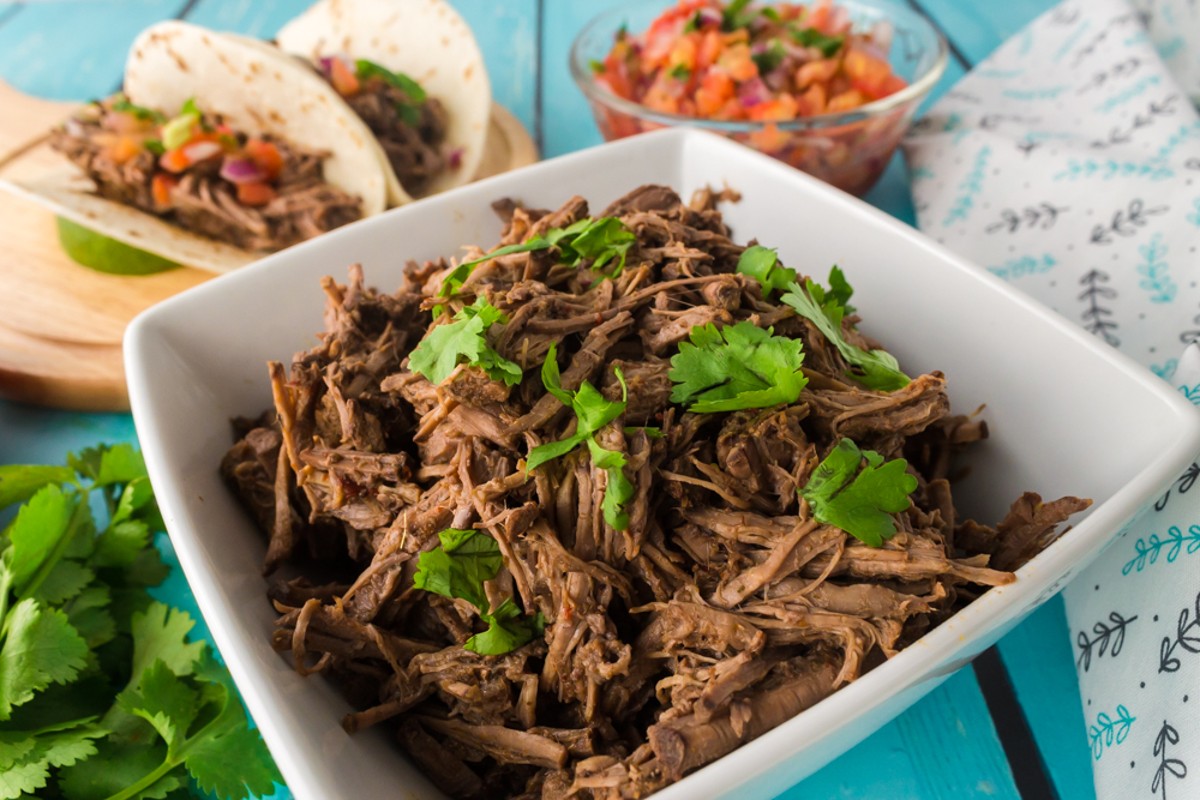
[723, 609]
[415, 151]
[304, 205]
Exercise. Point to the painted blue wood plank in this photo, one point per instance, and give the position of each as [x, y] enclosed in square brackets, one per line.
[74, 50]
[507, 35]
[261, 18]
[1040, 663]
[943, 748]
[979, 28]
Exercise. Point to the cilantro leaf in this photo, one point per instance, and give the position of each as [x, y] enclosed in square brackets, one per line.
[733, 16]
[19, 482]
[875, 369]
[369, 69]
[160, 633]
[23, 778]
[458, 568]
[120, 464]
[65, 580]
[36, 532]
[464, 339]
[770, 58]
[165, 701]
[860, 502]
[601, 240]
[40, 648]
[762, 264]
[618, 489]
[508, 629]
[122, 104]
[811, 37]
[739, 366]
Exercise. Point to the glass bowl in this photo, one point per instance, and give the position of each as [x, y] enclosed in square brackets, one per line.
[848, 149]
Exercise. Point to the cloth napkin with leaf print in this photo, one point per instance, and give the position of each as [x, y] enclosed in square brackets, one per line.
[1068, 163]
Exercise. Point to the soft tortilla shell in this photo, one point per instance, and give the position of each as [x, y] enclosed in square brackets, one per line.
[67, 193]
[425, 39]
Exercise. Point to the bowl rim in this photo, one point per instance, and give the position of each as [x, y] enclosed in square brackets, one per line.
[920, 86]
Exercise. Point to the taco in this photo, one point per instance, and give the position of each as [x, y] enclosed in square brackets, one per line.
[412, 71]
[215, 153]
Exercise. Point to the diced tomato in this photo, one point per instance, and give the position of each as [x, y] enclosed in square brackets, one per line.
[255, 194]
[737, 62]
[683, 54]
[893, 84]
[819, 16]
[867, 73]
[342, 76]
[124, 148]
[783, 107]
[160, 190]
[267, 156]
[174, 160]
[710, 48]
[815, 72]
[814, 99]
[845, 101]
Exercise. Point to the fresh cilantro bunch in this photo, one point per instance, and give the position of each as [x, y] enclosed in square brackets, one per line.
[826, 308]
[603, 241]
[739, 366]
[592, 412]
[857, 491]
[458, 569]
[464, 339]
[101, 694]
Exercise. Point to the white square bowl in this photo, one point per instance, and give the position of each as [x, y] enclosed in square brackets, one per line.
[1068, 415]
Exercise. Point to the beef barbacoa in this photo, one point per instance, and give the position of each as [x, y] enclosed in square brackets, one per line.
[659, 615]
[110, 142]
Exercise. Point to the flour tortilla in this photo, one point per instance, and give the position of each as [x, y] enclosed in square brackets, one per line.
[425, 39]
[257, 92]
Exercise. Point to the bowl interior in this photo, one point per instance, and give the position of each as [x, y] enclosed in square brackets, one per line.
[1067, 416]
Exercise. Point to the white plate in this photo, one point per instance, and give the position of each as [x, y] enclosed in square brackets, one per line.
[1068, 415]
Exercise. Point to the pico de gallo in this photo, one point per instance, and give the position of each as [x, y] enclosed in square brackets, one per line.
[257, 193]
[741, 61]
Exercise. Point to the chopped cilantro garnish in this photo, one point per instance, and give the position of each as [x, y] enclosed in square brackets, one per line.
[859, 497]
[680, 72]
[410, 111]
[596, 66]
[825, 308]
[811, 37]
[739, 366]
[762, 264]
[602, 240]
[179, 129]
[154, 146]
[770, 13]
[458, 568]
[770, 58]
[122, 104]
[592, 412]
[732, 17]
[464, 340]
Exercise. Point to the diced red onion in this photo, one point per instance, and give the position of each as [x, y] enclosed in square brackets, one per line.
[753, 92]
[326, 63]
[872, 49]
[454, 158]
[199, 151]
[241, 170]
[709, 16]
[839, 20]
[73, 127]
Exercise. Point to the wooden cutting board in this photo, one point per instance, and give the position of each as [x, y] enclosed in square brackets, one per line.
[61, 324]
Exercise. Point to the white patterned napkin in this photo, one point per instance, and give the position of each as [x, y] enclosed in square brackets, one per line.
[1068, 163]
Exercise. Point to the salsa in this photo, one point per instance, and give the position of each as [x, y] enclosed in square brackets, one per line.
[737, 61]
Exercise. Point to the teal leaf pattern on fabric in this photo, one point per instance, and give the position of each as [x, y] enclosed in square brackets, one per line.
[970, 186]
[1023, 266]
[1107, 169]
[1108, 731]
[1148, 549]
[1192, 393]
[1132, 92]
[1042, 93]
[1072, 39]
[1165, 370]
[1193, 217]
[1154, 271]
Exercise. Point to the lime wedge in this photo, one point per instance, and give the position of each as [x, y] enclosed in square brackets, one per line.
[103, 254]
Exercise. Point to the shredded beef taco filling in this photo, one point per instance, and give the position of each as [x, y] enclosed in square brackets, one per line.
[410, 126]
[587, 528]
[256, 193]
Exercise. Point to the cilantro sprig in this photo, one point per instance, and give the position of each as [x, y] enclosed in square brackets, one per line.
[857, 491]
[592, 412]
[762, 264]
[458, 568]
[811, 37]
[464, 340]
[124, 105]
[604, 241]
[410, 112]
[736, 367]
[826, 308]
[101, 693]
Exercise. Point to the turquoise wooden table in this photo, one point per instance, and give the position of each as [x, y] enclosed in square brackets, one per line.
[1010, 727]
